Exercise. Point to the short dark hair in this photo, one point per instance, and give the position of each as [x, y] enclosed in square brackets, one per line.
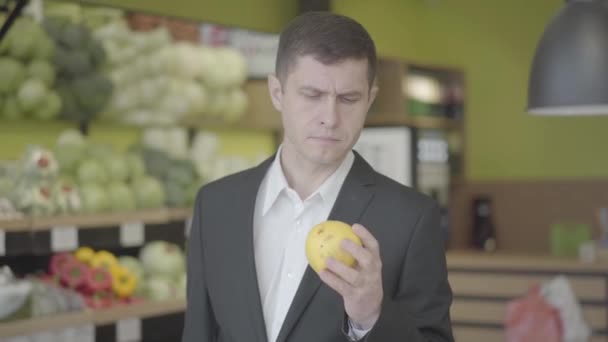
[329, 38]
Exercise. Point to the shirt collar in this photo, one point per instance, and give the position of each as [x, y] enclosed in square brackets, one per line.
[275, 182]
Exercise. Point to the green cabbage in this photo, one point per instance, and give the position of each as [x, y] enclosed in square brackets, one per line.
[31, 95]
[12, 73]
[41, 70]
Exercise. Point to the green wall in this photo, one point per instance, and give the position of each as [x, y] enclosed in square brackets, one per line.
[493, 41]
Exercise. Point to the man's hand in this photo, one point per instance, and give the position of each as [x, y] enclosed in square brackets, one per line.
[359, 286]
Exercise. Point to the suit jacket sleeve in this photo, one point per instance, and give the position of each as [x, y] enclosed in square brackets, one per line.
[419, 309]
[200, 325]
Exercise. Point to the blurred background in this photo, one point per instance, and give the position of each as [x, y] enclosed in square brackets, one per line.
[114, 113]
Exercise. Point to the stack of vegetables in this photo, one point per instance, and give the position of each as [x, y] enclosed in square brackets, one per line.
[105, 279]
[166, 155]
[108, 181]
[159, 81]
[84, 61]
[28, 74]
[36, 190]
[80, 177]
[97, 275]
[84, 90]
[164, 270]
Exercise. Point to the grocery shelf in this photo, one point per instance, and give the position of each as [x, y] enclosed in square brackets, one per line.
[16, 225]
[95, 317]
[412, 121]
[139, 310]
[101, 219]
[179, 214]
[39, 324]
[83, 221]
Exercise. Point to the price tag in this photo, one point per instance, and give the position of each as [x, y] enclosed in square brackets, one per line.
[128, 330]
[64, 238]
[2, 243]
[132, 234]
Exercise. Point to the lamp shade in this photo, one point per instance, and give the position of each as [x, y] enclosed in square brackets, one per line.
[569, 73]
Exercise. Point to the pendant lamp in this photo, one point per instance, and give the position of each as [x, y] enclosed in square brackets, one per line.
[569, 73]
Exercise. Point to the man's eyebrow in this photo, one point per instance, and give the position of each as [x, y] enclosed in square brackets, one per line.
[311, 88]
[351, 93]
[316, 90]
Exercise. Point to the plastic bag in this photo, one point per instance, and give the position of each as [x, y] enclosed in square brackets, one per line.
[532, 319]
[559, 294]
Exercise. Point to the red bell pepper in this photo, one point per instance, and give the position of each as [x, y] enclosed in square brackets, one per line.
[58, 261]
[73, 275]
[98, 280]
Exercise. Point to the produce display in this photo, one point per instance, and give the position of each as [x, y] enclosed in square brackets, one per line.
[93, 279]
[159, 81]
[33, 296]
[81, 62]
[105, 279]
[27, 85]
[78, 58]
[81, 177]
[88, 64]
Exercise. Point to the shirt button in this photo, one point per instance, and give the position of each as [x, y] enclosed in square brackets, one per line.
[298, 222]
[289, 275]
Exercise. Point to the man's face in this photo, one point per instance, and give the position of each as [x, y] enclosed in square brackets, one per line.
[323, 107]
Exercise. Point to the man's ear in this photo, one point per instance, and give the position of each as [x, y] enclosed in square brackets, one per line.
[276, 92]
[372, 94]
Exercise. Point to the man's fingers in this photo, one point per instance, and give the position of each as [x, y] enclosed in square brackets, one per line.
[363, 256]
[368, 240]
[348, 274]
[335, 282]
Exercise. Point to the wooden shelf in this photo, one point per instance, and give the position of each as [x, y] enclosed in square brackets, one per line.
[95, 317]
[179, 214]
[15, 225]
[140, 310]
[101, 219]
[416, 122]
[509, 261]
[84, 221]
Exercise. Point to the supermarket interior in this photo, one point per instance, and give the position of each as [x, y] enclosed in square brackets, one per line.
[115, 113]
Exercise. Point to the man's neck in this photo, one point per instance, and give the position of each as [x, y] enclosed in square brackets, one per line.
[303, 176]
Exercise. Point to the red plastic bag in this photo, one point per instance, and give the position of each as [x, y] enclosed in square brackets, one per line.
[532, 319]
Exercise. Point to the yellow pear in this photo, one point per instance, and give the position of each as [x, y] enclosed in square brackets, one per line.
[324, 240]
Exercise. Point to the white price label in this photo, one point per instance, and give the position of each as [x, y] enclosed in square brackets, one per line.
[128, 330]
[2, 243]
[64, 238]
[132, 234]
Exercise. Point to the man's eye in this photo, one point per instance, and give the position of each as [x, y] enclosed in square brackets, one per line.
[312, 96]
[349, 100]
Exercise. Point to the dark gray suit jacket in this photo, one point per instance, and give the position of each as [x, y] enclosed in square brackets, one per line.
[223, 296]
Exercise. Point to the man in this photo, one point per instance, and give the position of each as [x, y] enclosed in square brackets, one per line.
[248, 277]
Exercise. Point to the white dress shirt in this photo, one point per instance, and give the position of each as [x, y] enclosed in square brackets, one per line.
[282, 221]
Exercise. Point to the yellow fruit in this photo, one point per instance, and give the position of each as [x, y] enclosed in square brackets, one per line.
[104, 259]
[324, 240]
[84, 254]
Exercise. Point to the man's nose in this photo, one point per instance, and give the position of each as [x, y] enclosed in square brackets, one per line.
[329, 113]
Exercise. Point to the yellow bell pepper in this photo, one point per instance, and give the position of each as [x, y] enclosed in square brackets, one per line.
[84, 255]
[104, 259]
[124, 282]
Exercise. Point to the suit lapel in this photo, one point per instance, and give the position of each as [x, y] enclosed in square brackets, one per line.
[247, 198]
[354, 197]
